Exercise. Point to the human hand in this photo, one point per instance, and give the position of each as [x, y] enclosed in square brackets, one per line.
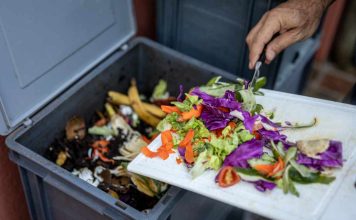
[294, 20]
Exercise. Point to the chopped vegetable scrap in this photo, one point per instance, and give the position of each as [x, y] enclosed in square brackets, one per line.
[164, 150]
[228, 177]
[220, 126]
[99, 154]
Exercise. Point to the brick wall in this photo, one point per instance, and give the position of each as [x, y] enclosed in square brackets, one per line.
[327, 81]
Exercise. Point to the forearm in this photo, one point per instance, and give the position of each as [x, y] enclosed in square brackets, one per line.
[323, 3]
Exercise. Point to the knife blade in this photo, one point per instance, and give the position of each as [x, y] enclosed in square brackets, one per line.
[256, 74]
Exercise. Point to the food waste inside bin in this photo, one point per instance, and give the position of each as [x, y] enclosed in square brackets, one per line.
[99, 152]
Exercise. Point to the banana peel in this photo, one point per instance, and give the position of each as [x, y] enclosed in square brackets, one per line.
[147, 185]
[154, 110]
[118, 98]
[138, 107]
[110, 110]
[122, 99]
[141, 185]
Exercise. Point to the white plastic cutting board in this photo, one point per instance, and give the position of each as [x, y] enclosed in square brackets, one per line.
[335, 121]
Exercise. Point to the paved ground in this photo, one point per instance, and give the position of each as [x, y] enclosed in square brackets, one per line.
[327, 81]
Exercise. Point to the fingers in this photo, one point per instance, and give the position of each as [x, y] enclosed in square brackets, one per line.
[280, 43]
[262, 34]
[276, 21]
[251, 37]
[293, 20]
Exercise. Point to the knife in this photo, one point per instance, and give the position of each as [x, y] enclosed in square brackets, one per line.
[262, 58]
[258, 65]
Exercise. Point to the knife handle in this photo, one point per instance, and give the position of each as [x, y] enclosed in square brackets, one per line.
[262, 58]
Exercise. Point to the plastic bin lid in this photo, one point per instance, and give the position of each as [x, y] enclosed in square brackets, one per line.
[46, 45]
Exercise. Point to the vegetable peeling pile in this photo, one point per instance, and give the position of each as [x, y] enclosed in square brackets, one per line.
[219, 126]
[100, 154]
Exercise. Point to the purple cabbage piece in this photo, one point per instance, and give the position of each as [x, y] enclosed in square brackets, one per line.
[215, 119]
[227, 101]
[212, 116]
[181, 94]
[243, 153]
[246, 83]
[332, 157]
[275, 136]
[181, 151]
[272, 135]
[262, 185]
[249, 121]
[266, 120]
[206, 98]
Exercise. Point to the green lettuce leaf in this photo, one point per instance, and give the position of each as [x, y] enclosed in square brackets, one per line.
[303, 170]
[312, 178]
[206, 160]
[244, 136]
[248, 99]
[223, 146]
[169, 122]
[188, 103]
[200, 131]
[160, 90]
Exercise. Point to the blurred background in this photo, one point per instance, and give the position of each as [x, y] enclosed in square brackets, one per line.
[214, 32]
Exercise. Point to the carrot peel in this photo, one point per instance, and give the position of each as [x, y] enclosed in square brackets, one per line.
[164, 150]
[170, 109]
[270, 169]
[194, 112]
[148, 153]
[187, 139]
[166, 137]
[178, 160]
[189, 154]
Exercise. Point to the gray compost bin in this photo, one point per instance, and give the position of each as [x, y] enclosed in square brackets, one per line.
[54, 65]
